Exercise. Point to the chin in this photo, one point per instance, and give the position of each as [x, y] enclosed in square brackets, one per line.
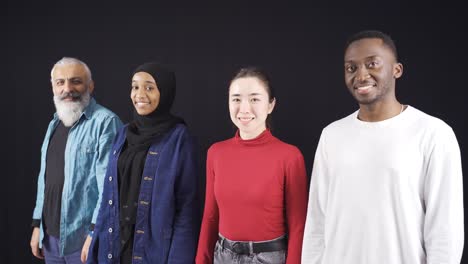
[141, 112]
[364, 100]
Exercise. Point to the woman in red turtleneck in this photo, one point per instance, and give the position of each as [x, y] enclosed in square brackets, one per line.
[256, 186]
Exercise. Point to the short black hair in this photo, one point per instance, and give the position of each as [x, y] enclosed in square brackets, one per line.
[366, 34]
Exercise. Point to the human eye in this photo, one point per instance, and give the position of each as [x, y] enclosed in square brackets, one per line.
[134, 87]
[76, 81]
[372, 64]
[149, 88]
[254, 99]
[350, 68]
[235, 100]
[59, 82]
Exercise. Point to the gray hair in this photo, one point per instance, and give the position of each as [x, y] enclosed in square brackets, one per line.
[68, 61]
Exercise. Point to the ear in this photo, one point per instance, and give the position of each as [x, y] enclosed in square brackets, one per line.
[91, 86]
[397, 70]
[271, 106]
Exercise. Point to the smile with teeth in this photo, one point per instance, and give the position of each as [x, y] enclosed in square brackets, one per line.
[245, 119]
[141, 104]
[364, 89]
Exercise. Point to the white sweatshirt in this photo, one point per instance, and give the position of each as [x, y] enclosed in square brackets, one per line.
[386, 192]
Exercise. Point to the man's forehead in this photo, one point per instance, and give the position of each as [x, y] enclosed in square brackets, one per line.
[69, 71]
[366, 48]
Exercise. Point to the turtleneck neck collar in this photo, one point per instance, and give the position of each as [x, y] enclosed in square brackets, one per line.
[261, 139]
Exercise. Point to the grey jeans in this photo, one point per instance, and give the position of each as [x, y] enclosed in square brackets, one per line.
[226, 256]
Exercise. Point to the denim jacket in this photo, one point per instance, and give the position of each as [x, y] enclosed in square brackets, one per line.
[167, 223]
[86, 155]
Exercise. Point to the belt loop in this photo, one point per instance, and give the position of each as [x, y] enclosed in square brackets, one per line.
[222, 242]
[250, 247]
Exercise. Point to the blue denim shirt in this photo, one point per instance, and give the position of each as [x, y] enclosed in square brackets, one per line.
[86, 156]
[167, 223]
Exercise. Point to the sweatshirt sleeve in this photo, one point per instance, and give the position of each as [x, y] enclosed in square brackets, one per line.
[209, 227]
[314, 233]
[443, 197]
[296, 206]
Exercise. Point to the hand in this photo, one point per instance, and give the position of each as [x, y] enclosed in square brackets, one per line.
[84, 251]
[36, 251]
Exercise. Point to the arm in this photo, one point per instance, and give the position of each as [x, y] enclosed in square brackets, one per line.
[110, 129]
[36, 251]
[37, 214]
[186, 221]
[106, 139]
[296, 206]
[314, 233]
[84, 250]
[443, 196]
[92, 251]
[209, 227]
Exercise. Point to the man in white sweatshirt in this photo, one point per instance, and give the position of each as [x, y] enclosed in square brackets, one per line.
[386, 184]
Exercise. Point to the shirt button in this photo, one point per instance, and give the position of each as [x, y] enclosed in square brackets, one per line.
[115, 151]
[110, 229]
[110, 178]
[110, 202]
[109, 256]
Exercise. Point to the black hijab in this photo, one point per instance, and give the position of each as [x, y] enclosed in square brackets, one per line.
[144, 129]
[141, 133]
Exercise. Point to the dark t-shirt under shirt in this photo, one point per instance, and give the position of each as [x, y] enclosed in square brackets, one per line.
[54, 179]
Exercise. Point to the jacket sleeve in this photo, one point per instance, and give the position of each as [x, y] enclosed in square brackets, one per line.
[186, 221]
[37, 213]
[313, 244]
[106, 138]
[209, 227]
[443, 197]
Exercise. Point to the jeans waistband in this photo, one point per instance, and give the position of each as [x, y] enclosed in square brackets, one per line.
[250, 247]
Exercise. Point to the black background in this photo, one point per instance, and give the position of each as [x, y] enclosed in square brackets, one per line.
[300, 46]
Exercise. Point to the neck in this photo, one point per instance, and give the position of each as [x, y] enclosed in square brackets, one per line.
[379, 111]
[252, 135]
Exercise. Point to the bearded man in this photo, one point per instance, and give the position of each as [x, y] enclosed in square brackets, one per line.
[74, 158]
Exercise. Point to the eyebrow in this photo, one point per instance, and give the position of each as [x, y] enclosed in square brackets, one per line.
[252, 94]
[71, 78]
[145, 81]
[366, 58]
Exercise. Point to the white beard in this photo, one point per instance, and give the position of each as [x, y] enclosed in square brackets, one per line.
[70, 112]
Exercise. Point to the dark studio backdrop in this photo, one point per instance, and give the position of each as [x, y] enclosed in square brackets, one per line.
[300, 46]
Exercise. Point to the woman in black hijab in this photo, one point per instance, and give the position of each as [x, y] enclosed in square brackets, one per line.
[149, 212]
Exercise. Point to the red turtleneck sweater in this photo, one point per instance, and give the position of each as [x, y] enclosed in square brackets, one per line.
[255, 190]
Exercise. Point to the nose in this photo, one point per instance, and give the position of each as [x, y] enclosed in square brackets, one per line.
[362, 74]
[67, 87]
[140, 93]
[244, 106]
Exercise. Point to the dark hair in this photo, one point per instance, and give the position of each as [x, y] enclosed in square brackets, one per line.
[366, 34]
[256, 72]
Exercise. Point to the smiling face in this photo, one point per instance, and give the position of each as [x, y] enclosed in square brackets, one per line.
[249, 106]
[371, 70]
[145, 93]
[70, 82]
